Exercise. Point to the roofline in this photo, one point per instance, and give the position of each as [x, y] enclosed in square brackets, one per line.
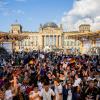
[29, 32]
[84, 25]
[16, 25]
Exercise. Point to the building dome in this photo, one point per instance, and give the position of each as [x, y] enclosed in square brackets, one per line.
[50, 24]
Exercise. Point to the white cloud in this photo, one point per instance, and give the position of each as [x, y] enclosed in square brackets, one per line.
[4, 7]
[8, 12]
[83, 11]
[18, 12]
[3, 4]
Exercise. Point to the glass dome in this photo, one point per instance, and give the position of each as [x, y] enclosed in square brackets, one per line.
[50, 24]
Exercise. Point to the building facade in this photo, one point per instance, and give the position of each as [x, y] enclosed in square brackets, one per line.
[50, 36]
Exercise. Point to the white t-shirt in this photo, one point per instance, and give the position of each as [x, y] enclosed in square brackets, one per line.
[77, 82]
[8, 95]
[40, 85]
[22, 87]
[47, 95]
[69, 95]
[58, 89]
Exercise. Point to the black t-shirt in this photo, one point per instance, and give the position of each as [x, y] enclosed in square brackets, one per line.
[92, 92]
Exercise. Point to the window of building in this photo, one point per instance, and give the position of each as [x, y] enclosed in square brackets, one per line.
[25, 43]
[67, 43]
[71, 43]
[29, 43]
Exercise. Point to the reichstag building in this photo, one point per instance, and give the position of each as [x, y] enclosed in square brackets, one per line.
[50, 36]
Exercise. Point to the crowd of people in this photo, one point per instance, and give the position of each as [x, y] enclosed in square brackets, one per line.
[50, 76]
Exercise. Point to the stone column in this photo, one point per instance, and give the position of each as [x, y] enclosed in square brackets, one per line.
[93, 43]
[49, 40]
[60, 41]
[42, 41]
[45, 40]
[50, 37]
[53, 40]
[82, 47]
[57, 41]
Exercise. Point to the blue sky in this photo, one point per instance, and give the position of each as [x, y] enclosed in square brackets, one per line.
[31, 13]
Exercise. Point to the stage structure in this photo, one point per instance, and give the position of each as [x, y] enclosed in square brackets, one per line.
[8, 40]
